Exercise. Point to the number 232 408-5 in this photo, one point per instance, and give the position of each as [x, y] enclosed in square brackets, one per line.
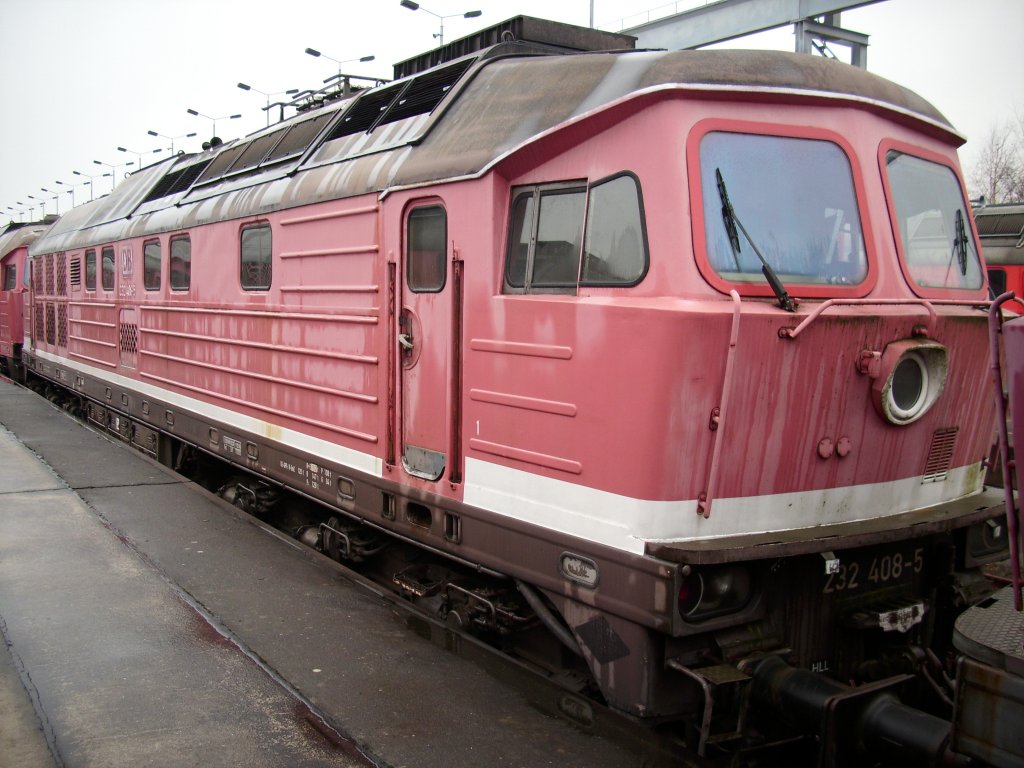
[883, 569]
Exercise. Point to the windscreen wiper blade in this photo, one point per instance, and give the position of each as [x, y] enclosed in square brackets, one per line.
[732, 221]
[960, 243]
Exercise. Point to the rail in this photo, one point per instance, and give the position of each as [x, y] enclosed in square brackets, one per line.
[928, 304]
[718, 415]
[995, 329]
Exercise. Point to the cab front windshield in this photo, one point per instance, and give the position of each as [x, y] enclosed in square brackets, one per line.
[795, 201]
[932, 220]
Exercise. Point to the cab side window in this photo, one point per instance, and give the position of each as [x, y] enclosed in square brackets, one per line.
[181, 263]
[255, 268]
[427, 240]
[565, 235]
[90, 270]
[151, 265]
[107, 271]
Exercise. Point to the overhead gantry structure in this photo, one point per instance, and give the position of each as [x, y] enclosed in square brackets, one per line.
[816, 24]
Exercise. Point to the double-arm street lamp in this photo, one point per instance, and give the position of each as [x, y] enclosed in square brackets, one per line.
[172, 138]
[113, 170]
[266, 109]
[138, 154]
[440, 35]
[213, 120]
[55, 198]
[317, 54]
[32, 205]
[70, 190]
[90, 177]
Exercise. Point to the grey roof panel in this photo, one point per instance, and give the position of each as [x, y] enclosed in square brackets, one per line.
[498, 106]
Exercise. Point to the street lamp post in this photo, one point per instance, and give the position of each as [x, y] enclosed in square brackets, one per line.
[56, 198]
[70, 190]
[113, 171]
[172, 138]
[440, 35]
[213, 120]
[266, 109]
[138, 154]
[317, 54]
[33, 205]
[90, 177]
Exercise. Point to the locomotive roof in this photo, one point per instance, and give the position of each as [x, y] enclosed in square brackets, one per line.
[15, 236]
[454, 121]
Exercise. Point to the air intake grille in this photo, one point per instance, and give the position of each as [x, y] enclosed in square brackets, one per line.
[940, 455]
[221, 163]
[426, 92]
[76, 274]
[177, 181]
[364, 113]
[298, 138]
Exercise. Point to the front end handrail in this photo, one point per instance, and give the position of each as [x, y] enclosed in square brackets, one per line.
[928, 304]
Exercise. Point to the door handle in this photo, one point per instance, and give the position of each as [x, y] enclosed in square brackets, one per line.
[405, 341]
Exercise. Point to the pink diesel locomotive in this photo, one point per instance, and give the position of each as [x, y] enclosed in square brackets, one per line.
[678, 358]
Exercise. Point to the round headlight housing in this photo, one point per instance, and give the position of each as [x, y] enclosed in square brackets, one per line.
[910, 379]
[710, 592]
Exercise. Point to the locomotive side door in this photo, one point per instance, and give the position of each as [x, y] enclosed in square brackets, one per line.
[424, 332]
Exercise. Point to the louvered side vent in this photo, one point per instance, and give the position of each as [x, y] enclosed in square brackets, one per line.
[76, 274]
[940, 455]
[425, 93]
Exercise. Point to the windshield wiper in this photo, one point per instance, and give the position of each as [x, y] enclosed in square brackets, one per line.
[960, 243]
[731, 221]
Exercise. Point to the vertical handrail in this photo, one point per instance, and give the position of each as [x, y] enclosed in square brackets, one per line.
[704, 503]
[391, 336]
[995, 324]
[455, 467]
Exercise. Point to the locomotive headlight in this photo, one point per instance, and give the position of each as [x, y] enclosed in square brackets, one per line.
[909, 380]
[713, 592]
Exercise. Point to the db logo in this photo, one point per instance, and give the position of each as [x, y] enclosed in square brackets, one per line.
[126, 261]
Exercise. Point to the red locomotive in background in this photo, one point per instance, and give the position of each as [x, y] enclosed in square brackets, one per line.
[678, 358]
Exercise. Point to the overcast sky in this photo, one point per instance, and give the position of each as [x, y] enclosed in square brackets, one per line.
[82, 77]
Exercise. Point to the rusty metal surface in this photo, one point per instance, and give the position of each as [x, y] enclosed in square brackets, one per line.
[993, 632]
[989, 711]
[954, 514]
[500, 106]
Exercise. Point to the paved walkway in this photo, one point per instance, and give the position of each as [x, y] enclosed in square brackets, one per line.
[149, 624]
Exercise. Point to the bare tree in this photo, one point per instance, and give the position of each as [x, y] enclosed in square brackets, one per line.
[1017, 188]
[998, 173]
